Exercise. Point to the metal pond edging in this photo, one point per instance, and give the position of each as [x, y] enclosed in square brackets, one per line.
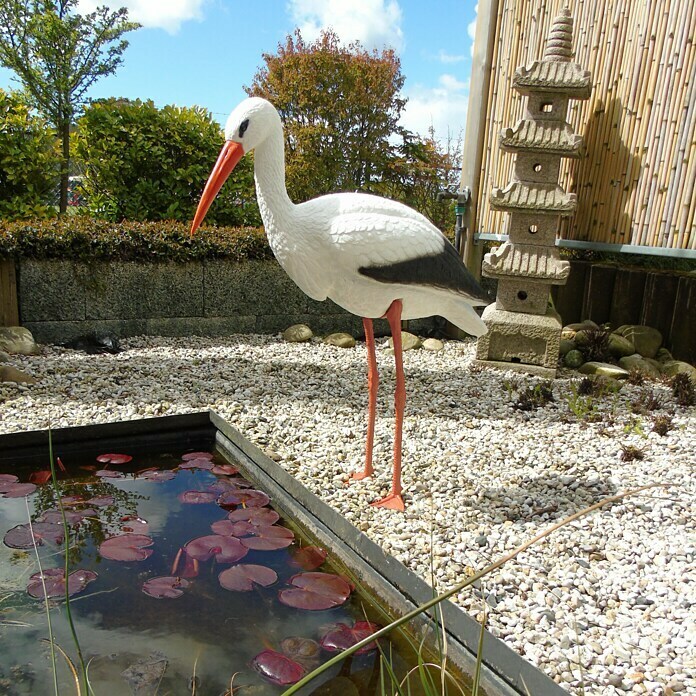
[504, 673]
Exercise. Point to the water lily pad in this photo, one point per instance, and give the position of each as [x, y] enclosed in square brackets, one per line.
[196, 455]
[7, 478]
[197, 497]
[132, 524]
[309, 557]
[20, 537]
[165, 587]
[107, 473]
[247, 498]
[342, 637]
[225, 470]
[16, 490]
[258, 516]
[101, 500]
[54, 581]
[72, 517]
[157, 475]
[315, 591]
[225, 549]
[269, 539]
[277, 668]
[243, 577]
[112, 458]
[126, 547]
[197, 464]
[228, 528]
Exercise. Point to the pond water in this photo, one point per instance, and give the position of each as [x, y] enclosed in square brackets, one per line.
[198, 641]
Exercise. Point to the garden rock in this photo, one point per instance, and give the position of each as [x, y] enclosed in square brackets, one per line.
[603, 369]
[565, 346]
[408, 341]
[570, 330]
[433, 344]
[619, 346]
[12, 374]
[638, 362]
[4, 357]
[674, 367]
[17, 339]
[646, 340]
[298, 333]
[663, 356]
[573, 359]
[341, 340]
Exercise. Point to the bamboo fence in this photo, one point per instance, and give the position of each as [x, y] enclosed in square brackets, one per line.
[636, 178]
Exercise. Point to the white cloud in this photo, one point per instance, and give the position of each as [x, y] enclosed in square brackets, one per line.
[447, 58]
[374, 23]
[443, 107]
[154, 14]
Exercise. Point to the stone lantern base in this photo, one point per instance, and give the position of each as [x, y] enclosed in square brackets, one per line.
[522, 342]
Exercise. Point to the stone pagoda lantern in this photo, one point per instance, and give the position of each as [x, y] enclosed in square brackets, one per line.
[523, 329]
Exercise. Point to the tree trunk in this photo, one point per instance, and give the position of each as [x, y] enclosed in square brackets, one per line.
[64, 132]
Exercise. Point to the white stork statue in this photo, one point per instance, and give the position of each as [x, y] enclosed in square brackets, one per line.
[372, 256]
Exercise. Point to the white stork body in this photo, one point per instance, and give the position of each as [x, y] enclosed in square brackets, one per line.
[372, 256]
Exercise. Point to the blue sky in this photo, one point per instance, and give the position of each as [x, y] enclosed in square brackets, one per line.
[204, 51]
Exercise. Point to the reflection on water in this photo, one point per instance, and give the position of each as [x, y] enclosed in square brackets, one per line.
[136, 643]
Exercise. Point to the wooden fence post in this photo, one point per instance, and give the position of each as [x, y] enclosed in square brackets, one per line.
[9, 306]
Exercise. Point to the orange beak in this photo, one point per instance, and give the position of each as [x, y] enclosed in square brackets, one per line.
[227, 160]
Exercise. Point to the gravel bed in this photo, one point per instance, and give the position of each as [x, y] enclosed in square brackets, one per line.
[605, 606]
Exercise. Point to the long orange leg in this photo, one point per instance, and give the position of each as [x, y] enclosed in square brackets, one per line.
[394, 501]
[372, 384]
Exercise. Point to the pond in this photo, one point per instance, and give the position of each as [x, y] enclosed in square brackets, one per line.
[184, 580]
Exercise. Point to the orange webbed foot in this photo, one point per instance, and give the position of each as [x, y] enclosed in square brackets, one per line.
[393, 501]
[360, 475]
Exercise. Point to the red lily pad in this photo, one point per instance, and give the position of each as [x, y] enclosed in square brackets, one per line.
[72, 517]
[54, 580]
[165, 587]
[132, 524]
[101, 500]
[258, 516]
[225, 470]
[112, 458]
[126, 547]
[40, 477]
[69, 500]
[247, 498]
[16, 490]
[269, 539]
[228, 528]
[225, 549]
[309, 557]
[20, 537]
[8, 478]
[243, 577]
[197, 497]
[341, 637]
[315, 591]
[158, 475]
[107, 473]
[197, 464]
[196, 455]
[277, 668]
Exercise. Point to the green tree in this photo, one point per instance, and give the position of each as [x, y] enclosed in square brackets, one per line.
[29, 159]
[58, 54]
[340, 107]
[145, 163]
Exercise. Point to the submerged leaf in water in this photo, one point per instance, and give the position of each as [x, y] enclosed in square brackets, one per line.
[40, 477]
[20, 537]
[309, 557]
[248, 498]
[126, 547]
[315, 591]
[269, 538]
[197, 497]
[242, 577]
[304, 650]
[277, 668]
[107, 473]
[144, 676]
[112, 458]
[341, 637]
[225, 549]
[54, 580]
[165, 587]
[157, 475]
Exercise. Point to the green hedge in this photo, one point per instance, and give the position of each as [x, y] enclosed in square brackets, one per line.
[81, 238]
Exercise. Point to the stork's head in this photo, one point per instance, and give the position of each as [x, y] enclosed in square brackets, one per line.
[247, 127]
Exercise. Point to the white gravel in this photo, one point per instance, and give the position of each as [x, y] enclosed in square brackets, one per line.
[605, 606]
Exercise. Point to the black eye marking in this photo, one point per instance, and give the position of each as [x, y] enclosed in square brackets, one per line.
[242, 128]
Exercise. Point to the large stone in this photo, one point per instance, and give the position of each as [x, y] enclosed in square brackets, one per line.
[603, 369]
[409, 341]
[17, 339]
[298, 333]
[433, 344]
[663, 356]
[586, 325]
[341, 340]
[8, 373]
[565, 346]
[647, 341]
[4, 357]
[674, 367]
[619, 346]
[638, 362]
[573, 359]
